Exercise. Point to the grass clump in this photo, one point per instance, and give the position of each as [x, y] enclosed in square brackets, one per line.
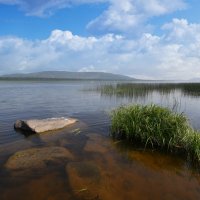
[156, 127]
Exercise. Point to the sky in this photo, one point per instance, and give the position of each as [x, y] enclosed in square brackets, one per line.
[147, 39]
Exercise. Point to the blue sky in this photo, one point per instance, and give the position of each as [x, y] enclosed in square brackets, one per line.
[15, 22]
[154, 39]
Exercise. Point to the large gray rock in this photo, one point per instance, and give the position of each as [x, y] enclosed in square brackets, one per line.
[43, 125]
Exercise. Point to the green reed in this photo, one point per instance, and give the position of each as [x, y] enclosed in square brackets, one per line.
[156, 127]
[144, 89]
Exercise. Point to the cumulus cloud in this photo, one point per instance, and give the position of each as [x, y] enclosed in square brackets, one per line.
[127, 15]
[174, 55]
[182, 32]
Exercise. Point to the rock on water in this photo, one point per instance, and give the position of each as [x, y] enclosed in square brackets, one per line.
[43, 125]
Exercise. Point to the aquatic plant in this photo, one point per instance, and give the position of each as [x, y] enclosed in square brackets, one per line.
[144, 89]
[156, 127]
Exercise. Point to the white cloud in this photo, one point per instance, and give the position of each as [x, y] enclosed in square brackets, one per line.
[129, 15]
[90, 69]
[175, 55]
[45, 7]
[182, 32]
[121, 15]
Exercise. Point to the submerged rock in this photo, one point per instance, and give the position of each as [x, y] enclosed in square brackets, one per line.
[43, 125]
[36, 159]
[84, 179]
[97, 144]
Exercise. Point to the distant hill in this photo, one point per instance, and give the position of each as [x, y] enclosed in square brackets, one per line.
[64, 75]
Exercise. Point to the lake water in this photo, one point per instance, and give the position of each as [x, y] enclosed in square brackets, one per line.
[101, 168]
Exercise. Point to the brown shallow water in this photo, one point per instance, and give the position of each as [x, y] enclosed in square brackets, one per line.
[99, 167]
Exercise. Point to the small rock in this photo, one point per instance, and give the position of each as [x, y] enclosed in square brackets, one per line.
[43, 125]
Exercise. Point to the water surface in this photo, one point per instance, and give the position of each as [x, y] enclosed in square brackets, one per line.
[101, 168]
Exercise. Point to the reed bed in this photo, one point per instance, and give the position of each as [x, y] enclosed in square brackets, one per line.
[156, 127]
[144, 89]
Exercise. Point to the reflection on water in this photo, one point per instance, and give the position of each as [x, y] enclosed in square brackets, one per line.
[181, 97]
[99, 167]
[135, 90]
